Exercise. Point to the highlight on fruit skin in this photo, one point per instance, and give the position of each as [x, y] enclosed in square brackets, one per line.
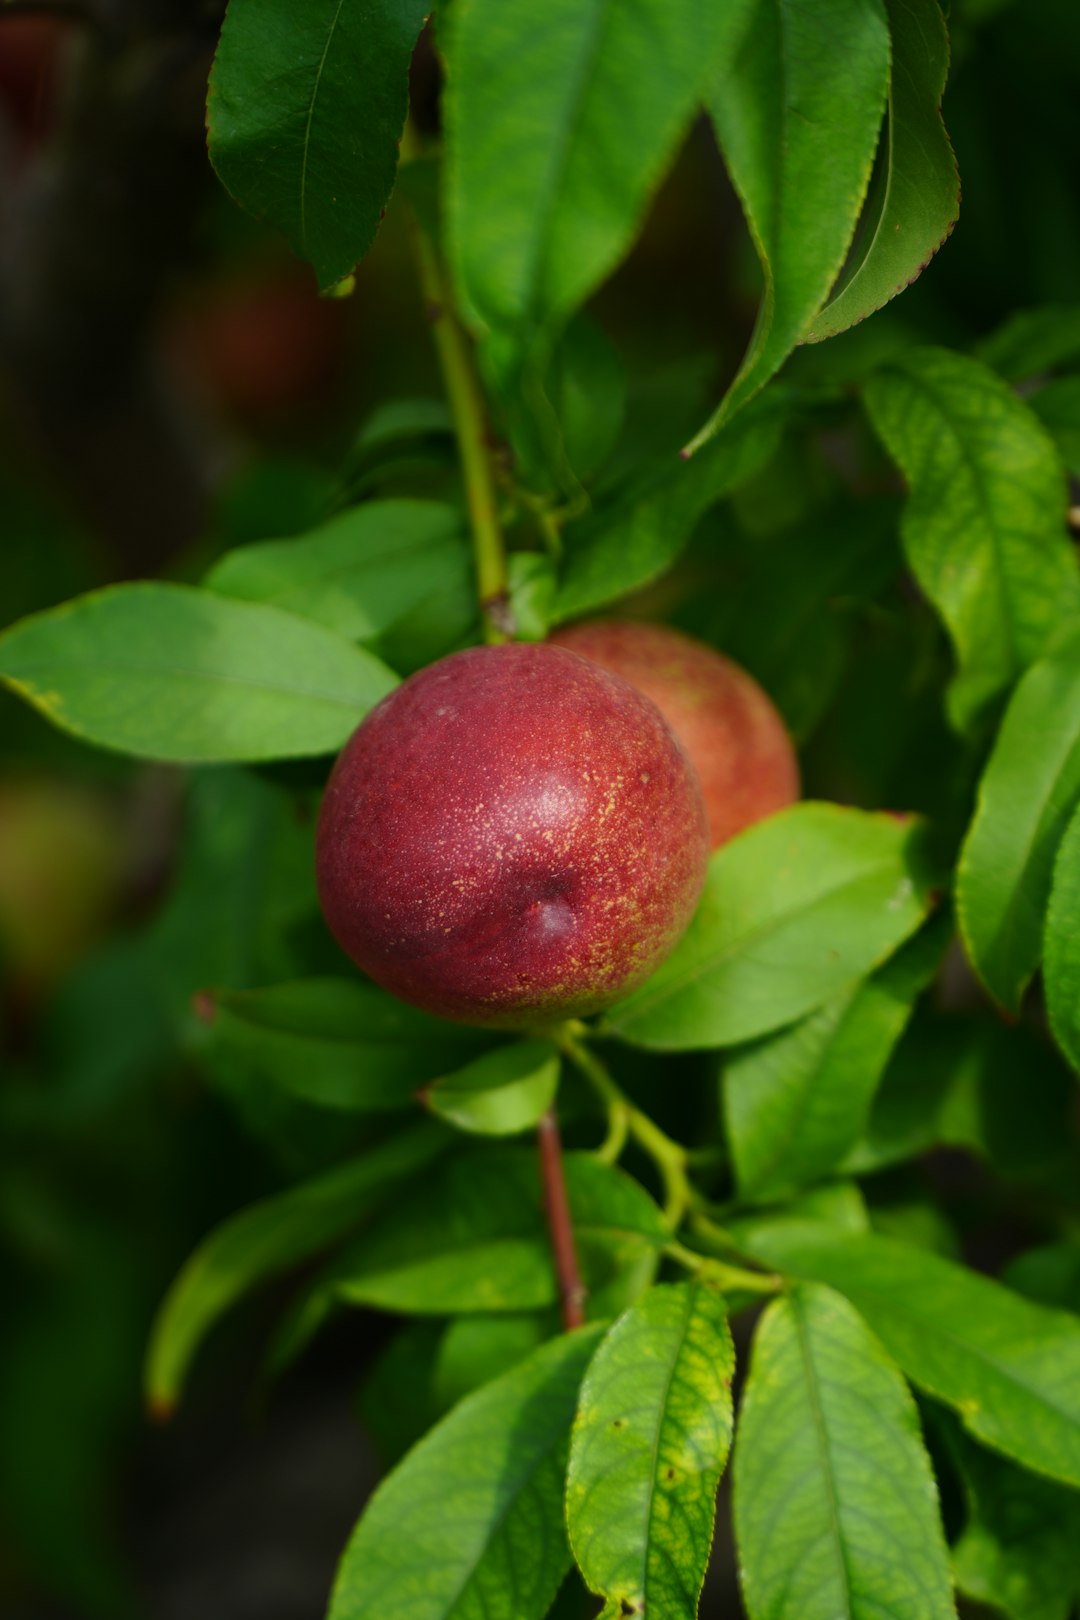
[730, 728]
[512, 837]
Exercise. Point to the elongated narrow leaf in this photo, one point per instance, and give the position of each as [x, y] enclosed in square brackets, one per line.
[650, 1442]
[306, 107]
[915, 193]
[622, 550]
[268, 1238]
[984, 528]
[1062, 966]
[474, 1237]
[358, 573]
[1010, 1369]
[796, 1102]
[836, 1509]
[173, 673]
[561, 120]
[336, 1042]
[795, 910]
[472, 1521]
[1017, 1550]
[797, 113]
[1026, 796]
[500, 1094]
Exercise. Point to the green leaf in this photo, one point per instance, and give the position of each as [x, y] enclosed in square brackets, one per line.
[396, 1403]
[619, 551]
[952, 1083]
[475, 1349]
[532, 583]
[402, 438]
[795, 910]
[915, 192]
[1033, 341]
[336, 1042]
[1017, 1550]
[1058, 408]
[588, 392]
[268, 1238]
[305, 111]
[906, 1209]
[796, 1102]
[561, 121]
[797, 112]
[357, 574]
[649, 1444]
[303, 1319]
[984, 528]
[244, 896]
[473, 1238]
[1010, 1369]
[563, 412]
[471, 1522]
[1026, 796]
[791, 622]
[1050, 1275]
[839, 1204]
[835, 1504]
[500, 1094]
[1061, 971]
[173, 673]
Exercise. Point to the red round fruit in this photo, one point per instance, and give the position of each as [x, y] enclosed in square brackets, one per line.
[730, 728]
[512, 837]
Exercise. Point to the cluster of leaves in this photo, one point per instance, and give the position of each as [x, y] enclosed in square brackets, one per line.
[806, 1010]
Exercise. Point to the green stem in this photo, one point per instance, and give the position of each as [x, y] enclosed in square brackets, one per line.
[712, 1235]
[610, 1149]
[668, 1156]
[470, 423]
[729, 1278]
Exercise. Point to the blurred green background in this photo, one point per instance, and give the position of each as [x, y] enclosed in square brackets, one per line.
[171, 386]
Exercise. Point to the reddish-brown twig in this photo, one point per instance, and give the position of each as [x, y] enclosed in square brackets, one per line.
[560, 1225]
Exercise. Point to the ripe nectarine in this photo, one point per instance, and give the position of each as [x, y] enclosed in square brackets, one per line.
[735, 738]
[512, 837]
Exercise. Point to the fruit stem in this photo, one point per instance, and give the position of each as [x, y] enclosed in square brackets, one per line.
[729, 1278]
[668, 1155]
[572, 1291]
[470, 424]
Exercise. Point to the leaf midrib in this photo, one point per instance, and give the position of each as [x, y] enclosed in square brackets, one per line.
[168, 672]
[562, 150]
[821, 1433]
[310, 118]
